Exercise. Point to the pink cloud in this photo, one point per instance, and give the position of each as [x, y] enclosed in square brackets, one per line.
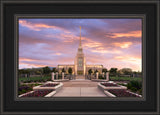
[128, 34]
[26, 59]
[58, 54]
[37, 26]
[129, 59]
[117, 49]
[123, 44]
[27, 65]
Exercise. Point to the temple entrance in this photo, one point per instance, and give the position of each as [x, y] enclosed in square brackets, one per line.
[80, 72]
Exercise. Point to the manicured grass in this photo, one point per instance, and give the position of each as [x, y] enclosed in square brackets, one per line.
[35, 79]
[125, 78]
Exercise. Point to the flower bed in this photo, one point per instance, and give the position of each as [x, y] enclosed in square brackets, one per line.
[49, 85]
[24, 89]
[110, 84]
[122, 93]
[38, 93]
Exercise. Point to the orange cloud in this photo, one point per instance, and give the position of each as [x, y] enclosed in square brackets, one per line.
[129, 34]
[26, 65]
[58, 54]
[123, 44]
[100, 51]
[135, 60]
[97, 47]
[106, 51]
[91, 43]
[26, 59]
[36, 27]
[66, 36]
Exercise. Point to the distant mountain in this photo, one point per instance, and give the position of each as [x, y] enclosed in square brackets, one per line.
[38, 68]
[52, 67]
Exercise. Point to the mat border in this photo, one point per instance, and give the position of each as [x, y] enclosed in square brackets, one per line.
[64, 16]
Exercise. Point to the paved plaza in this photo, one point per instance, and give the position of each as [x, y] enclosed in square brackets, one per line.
[80, 88]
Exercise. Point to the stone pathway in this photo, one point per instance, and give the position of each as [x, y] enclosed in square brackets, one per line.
[80, 77]
[80, 88]
[80, 83]
[80, 92]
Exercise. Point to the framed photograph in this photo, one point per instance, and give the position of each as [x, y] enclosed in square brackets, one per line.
[80, 57]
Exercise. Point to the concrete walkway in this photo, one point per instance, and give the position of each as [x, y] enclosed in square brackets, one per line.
[80, 77]
[80, 88]
[80, 83]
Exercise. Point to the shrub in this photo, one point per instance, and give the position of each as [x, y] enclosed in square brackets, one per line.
[37, 84]
[23, 91]
[136, 84]
[133, 89]
[129, 85]
[100, 77]
[29, 81]
[140, 91]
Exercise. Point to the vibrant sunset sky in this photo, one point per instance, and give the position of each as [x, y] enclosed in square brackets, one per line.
[110, 42]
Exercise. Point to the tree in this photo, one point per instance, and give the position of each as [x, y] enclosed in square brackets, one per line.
[21, 71]
[27, 71]
[104, 70]
[90, 71]
[134, 72]
[38, 72]
[63, 70]
[70, 71]
[46, 70]
[113, 71]
[54, 70]
[96, 71]
[127, 71]
[41, 72]
[120, 72]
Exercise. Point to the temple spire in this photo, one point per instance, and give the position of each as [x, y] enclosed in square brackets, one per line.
[80, 38]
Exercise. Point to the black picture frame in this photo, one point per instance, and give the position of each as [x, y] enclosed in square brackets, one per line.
[148, 8]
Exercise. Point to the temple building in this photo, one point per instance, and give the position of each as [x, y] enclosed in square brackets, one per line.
[80, 67]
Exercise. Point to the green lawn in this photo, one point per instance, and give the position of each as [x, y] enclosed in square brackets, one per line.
[34, 79]
[125, 78]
